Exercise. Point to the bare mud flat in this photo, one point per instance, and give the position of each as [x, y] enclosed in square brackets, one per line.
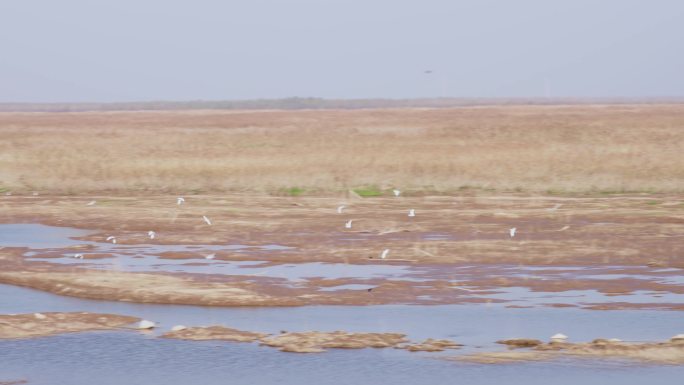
[589, 252]
[47, 324]
[669, 352]
[313, 341]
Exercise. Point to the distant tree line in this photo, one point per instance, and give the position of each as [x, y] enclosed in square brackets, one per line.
[298, 103]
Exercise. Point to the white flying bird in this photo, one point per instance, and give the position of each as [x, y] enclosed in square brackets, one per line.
[512, 231]
[340, 208]
[384, 254]
[111, 238]
[91, 203]
[556, 207]
[210, 256]
[180, 200]
[462, 288]
[348, 224]
[412, 213]
[206, 219]
[559, 337]
[78, 256]
[151, 234]
[396, 192]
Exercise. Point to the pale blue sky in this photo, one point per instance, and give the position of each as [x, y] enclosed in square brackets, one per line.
[125, 50]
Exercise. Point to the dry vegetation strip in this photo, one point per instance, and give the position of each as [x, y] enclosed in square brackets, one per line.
[506, 148]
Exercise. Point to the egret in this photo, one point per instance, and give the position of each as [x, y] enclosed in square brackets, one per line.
[145, 324]
[78, 256]
[91, 203]
[396, 192]
[412, 213]
[180, 200]
[348, 224]
[512, 231]
[556, 207]
[178, 328]
[111, 238]
[462, 288]
[340, 208]
[39, 316]
[206, 219]
[384, 254]
[151, 234]
[559, 337]
[210, 256]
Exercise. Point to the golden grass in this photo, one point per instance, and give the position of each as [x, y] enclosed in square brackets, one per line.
[552, 149]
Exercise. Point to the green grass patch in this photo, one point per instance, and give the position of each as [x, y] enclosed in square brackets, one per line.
[368, 191]
[293, 191]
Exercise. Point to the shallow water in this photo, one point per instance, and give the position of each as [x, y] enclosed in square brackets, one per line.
[39, 236]
[140, 358]
[525, 296]
[290, 271]
[132, 357]
[49, 240]
[473, 324]
[115, 358]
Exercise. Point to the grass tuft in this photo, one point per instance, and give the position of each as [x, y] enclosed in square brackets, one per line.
[368, 191]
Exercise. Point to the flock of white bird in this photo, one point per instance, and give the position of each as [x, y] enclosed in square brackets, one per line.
[145, 324]
[411, 214]
[340, 210]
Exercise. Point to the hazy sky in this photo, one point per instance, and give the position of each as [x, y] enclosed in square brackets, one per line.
[127, 50]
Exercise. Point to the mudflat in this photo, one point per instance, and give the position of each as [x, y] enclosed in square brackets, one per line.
[47, 324]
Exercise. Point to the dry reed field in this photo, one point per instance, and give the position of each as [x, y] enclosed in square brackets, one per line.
[529, 149]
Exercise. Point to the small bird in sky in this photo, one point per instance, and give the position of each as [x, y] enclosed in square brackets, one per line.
[396, 192]
[340, 208]
[180, 200]
[348, 225]
[512, 231]
[384, 254]
[412, 213]
[111, 238]
[151, 234]
[427, 71]
[91, 203]
[206, 219]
